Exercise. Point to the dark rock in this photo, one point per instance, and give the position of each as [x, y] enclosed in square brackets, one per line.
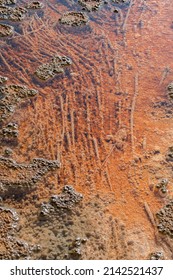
[6, 30]
[7, 2]
[35, 5]
[13, 248]
[90, 5]
[11, 130]
[5, 12]
[75, 251]
[64, 201]
[170, 90]
[162, 187]
[156, 256]
[11, 96]
[18, 179]
[121, 2]
[116, 11]
[57, 65]
[169, 156]
[74, 18]
[14, 14]
[3, 79]
[8, 152]
[18, 14]
[165, 219]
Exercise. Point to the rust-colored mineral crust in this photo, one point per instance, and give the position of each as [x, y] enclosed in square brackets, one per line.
[86, 151]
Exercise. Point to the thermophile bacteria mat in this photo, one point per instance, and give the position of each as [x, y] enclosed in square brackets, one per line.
[86, 132]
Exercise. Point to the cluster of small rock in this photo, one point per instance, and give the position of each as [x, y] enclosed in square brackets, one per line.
[165, 219]
[35, 5]
[74, 18]
[10, 97]
[13, 248]
[10, 130]
[162, 187]
[156, 256]
[170, 90]
[49, 70]
[90, 5]
[7, 2]
[121, 2]
[18, 179]
[75, 251]
[14, 13]
[169, 156]
[3, 80]
[6, 30]
[64, 201]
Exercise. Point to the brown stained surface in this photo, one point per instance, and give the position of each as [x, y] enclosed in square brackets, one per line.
[107, 119]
